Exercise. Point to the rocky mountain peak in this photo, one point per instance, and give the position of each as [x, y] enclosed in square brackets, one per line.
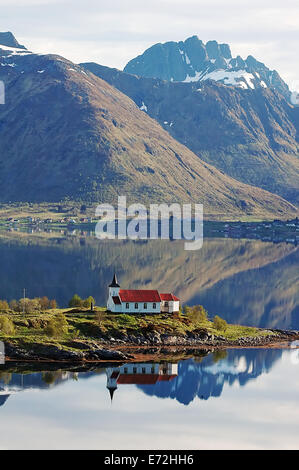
[7, 39]
[193, 61]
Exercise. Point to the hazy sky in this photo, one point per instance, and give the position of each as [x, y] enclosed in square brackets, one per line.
[113, 32]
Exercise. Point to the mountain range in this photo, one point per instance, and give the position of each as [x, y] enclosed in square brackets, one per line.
[193, 61]
[251, 135]
[67, 133]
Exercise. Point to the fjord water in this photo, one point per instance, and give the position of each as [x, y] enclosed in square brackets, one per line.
[229, 400]
[244, 281]
[234, 399]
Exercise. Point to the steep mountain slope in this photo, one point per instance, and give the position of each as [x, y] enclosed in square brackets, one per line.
[65, 133]
[193, 61]
[252, 135]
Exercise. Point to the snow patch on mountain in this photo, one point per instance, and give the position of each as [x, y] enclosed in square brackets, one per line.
[193, 61]
[239, 78]
[14, 50]
[143, 107]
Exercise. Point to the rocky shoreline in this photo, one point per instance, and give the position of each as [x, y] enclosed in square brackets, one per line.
[128, 347]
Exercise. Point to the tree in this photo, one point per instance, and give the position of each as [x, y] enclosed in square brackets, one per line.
[88, 302]
[53, 304]
[186, 310]
[6, 326]
[44, 303]
[14, 305]
[4, 305]
[197, 313]
[219, 324]
[75, 301]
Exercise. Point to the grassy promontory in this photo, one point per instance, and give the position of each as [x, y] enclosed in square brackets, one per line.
[79, 335]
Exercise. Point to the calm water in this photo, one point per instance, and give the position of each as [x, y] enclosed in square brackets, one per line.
[243, 399]
[249, 282]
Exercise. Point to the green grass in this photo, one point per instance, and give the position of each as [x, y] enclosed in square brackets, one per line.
[29, 328]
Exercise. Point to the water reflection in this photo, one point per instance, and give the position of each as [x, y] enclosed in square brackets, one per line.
[202, 377]
[209, 377]
[247, 282]
[245, 399]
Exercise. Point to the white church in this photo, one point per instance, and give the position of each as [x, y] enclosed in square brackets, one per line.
[139, 374]
[140, 301]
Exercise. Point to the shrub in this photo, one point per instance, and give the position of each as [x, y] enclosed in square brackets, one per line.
[44, 303]
[6, 326]
[100, 317]
[4, 305]
[75, 301]
[186, 310]
[29, 305]
[62, 322]
[52, 329]
[88, 302]
[219, 324]
[14, 305]
[53, 304]
[196, 313]
[57, 326]
[199, 313]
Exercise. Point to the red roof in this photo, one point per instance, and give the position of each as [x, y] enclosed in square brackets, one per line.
[166, 378]
[169, 298]
[116, 300]
[139, 296]
[143, 379]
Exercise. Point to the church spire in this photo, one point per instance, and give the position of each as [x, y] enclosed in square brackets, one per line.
[114, 282]
[111, 391]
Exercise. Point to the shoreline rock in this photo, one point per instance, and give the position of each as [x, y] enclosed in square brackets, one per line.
[80, 351]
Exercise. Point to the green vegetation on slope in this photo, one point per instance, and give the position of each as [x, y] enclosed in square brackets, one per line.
[63, 326]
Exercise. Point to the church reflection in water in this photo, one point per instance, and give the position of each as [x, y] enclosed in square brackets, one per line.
[201, 377]
[139, 374]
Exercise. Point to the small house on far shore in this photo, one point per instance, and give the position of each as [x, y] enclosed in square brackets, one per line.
[140, 301]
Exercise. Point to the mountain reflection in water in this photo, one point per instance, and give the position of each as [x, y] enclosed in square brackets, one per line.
[200, 377]
[247, 282]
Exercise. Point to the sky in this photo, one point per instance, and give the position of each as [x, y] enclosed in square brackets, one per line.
[115, 31]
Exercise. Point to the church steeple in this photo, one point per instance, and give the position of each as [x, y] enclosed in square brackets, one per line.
[114, 282]
[112, 375]
[111, 391]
